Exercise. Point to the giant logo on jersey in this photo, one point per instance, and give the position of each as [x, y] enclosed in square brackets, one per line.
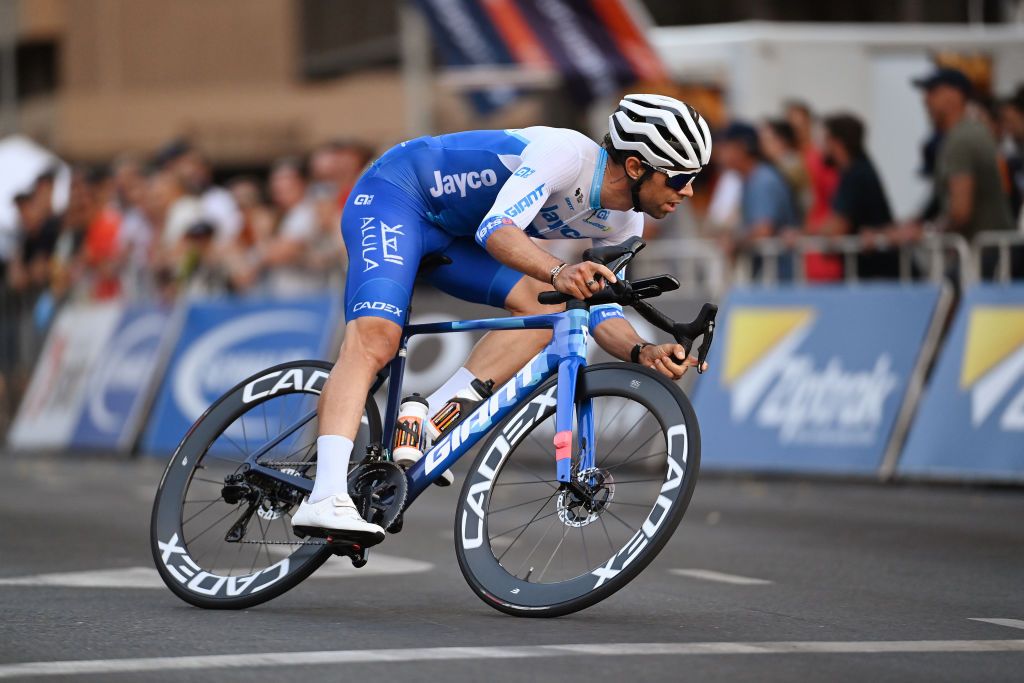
[808, 379]
[526, 202]
[971, 422]
[460, 182]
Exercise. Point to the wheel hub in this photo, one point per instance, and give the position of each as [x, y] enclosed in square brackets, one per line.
[576, 511]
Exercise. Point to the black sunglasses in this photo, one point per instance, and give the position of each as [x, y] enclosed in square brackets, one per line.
[676, 180]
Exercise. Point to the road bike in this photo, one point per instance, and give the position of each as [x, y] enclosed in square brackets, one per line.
[531, 539]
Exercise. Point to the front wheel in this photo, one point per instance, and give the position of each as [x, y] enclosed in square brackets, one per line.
[529, 547]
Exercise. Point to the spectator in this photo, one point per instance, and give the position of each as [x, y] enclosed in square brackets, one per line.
[339, 163]
[823, 181]
[859, 205]
[778, 140]
[137, 234]
[284, 257]
[1011, 119]
[101, 253]
[823, 178]
[242, 256]
[217, 205]
[766, 204]
[37, 239]
[967, 181]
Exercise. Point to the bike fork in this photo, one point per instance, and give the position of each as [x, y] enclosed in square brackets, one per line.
[570, 340]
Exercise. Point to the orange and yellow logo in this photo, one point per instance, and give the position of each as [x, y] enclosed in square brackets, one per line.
[754, 332]
[994, 333]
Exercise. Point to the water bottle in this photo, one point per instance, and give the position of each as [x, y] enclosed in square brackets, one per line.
[412, 413]
[458, 407]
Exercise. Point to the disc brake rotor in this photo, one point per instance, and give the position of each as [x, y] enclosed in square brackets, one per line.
[577, 513]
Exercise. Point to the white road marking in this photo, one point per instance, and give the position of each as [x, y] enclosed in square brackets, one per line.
[1012, 623]
[146, 577]
[263, 659]
[720, 577]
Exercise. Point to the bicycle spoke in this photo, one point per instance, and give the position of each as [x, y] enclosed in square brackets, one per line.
[586, 555]
[520, 483]
[606, 534]
[637, 449]
[524, 527]
[565, 530]
[518, 505]
[228, 514]
[646, 457]
[233, 443]
[207, 507]
[621, 521]
[537, 545]
[635, 425]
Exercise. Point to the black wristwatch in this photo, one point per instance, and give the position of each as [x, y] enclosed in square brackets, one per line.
[634, 355]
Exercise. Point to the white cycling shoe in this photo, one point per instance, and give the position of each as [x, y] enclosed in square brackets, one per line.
[446, 478]
[338, 518]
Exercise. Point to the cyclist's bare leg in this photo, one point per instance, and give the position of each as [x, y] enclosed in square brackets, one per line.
[369, 344]
[501, 353]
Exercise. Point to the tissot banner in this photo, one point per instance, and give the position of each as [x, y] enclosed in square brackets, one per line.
[123, 378]
[971, 421]
[224, 341]
[811, 379]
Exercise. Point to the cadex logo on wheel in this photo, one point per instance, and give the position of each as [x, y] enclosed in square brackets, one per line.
[222, 343]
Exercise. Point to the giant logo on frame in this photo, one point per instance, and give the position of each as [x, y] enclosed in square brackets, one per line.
[806, 399]
[992, 369]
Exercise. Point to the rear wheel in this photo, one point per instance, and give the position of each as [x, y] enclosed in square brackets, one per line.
[528, 546]
[221, 535]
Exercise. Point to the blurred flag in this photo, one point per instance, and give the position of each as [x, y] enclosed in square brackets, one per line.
[596, 46]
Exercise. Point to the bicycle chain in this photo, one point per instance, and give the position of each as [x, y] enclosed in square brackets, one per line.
[281, 542]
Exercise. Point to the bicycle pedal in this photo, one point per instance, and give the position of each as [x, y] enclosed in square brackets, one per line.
[353, 551]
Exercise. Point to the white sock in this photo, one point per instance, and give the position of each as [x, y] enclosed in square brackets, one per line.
[332, 455]
[456, 383]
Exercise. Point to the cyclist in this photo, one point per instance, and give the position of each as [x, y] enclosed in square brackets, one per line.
[478, 197]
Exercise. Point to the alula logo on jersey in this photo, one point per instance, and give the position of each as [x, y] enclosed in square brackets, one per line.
[461, 182]
[526, 202]
[805, 398]
[993, 366]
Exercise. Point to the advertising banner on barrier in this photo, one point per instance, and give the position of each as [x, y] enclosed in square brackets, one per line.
[123, 379]
[60, 384]
[811, 379]
[971, 422]
[224, 341]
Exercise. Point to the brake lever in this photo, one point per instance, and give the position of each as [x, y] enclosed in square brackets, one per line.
[684, 333]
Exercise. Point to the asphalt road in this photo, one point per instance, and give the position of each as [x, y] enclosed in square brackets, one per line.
[765, 580]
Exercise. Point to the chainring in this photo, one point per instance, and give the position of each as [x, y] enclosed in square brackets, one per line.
[379, 490]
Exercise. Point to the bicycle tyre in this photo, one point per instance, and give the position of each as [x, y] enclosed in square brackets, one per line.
[478, 562]
[200, 586]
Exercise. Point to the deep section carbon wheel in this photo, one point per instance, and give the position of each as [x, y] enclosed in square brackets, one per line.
[531, 547]
[221, 533]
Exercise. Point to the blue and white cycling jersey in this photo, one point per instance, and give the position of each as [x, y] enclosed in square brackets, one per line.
[440, 194]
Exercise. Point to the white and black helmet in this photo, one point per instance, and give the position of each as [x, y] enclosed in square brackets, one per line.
[662, 131]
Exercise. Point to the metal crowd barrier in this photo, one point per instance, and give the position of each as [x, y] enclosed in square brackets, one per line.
[937, 256]
[1003, 242]
[698, 264]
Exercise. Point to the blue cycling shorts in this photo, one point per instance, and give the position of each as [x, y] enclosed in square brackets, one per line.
[387, 233]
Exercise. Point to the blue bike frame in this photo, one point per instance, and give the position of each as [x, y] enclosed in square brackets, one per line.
[566, 355]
